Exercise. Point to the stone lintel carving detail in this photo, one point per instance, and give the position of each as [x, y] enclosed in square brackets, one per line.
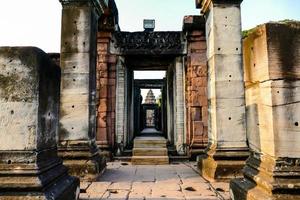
[152, 43]
[149, 83]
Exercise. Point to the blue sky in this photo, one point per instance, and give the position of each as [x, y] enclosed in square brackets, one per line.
[169, 13]
[37, 22]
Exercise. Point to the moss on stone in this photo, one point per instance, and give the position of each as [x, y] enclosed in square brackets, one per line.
[246, 33]
[288, 22]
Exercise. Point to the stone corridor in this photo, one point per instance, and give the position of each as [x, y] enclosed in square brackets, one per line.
[123, 181]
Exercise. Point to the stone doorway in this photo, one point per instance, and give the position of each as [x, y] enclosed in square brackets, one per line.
[165, 51]
[150, 107]
[168, 113]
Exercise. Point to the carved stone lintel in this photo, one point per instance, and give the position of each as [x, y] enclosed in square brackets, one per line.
[222, 164]
[149, 43]
[270, 178]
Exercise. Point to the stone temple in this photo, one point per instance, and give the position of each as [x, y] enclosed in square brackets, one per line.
[73, 125]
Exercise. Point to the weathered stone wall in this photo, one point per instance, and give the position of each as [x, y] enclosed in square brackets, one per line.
[78, 88]
[106, 93]
[196, 88]
[29, 107]
[22, 86]
[78, 62]
[272, 74]
[226, 94]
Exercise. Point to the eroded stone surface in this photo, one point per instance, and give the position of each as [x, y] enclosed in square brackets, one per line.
[29, 102]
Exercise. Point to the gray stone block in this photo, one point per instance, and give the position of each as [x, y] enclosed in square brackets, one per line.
[29, 104]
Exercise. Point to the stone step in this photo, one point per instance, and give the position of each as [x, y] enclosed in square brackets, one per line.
[150, 160]
[150, 142]
[150, 152]
[145, 145]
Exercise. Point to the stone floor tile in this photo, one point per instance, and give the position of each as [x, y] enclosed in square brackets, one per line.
[123, 181]
[84, 185]
[202, 198]
[122, 174]
[84, 196]
[118, 195]
[145, 174]
[120, 186]
[98, 187]
[191, 180]
[142, 188]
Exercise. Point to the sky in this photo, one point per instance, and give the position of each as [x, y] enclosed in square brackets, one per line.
[149, 75]
[37, 22]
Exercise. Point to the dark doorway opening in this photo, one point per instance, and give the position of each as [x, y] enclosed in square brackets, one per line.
[150, 106]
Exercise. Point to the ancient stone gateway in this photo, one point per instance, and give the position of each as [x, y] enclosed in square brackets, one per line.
[213, 106]
[182, 56]
[162, 52]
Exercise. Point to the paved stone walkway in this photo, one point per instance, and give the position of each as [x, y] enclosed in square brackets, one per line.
[122, 181]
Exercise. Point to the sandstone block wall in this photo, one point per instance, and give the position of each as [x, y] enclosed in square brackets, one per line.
[272, 75]
[196, 91]
[106, 92]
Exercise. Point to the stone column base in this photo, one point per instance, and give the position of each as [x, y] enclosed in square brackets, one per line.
[83, 159]
[268, 178]
[105, 150]
[35, 175]
[222, 164]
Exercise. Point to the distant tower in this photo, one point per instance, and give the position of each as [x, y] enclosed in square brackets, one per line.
[150, 98]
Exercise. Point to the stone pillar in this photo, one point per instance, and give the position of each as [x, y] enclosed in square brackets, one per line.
[228, 149]
[78, 88]
[111, 111]
[120, 106]
[29, 105]
[179, 103]
[272, 74]
[102, 91]
[196, 84]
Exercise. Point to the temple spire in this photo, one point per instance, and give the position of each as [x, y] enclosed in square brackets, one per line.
[150, 98]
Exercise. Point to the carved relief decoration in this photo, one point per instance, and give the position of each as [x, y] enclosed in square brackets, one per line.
[149, 42]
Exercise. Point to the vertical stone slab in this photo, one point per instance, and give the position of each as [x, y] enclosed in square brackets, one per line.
[196, 84]
[106, 70]
[179, 99]
[120, 106]
[78, 88]
[29, 106]
[227, 149]
[170, 105]
[272, 65]
[102, 137]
